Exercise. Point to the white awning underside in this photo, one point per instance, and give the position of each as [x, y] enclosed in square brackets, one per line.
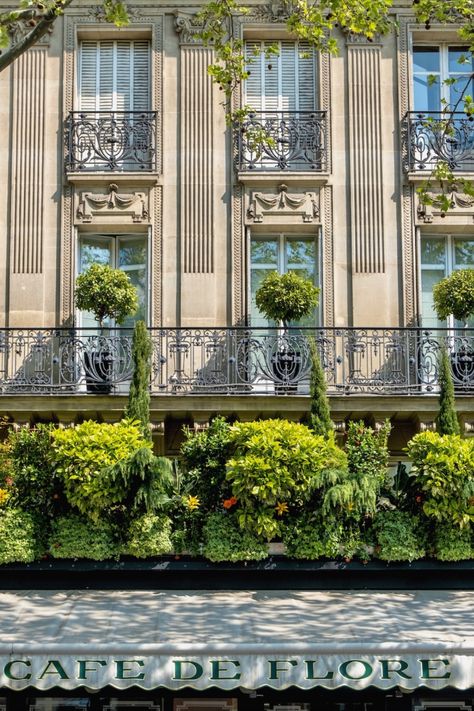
[236, 639]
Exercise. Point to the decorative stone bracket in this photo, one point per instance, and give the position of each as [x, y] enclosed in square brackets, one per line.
[283, 203]
[462, 206]
[124, 204]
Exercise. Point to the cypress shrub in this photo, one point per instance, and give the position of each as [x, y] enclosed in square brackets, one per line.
[138, 407]
[320, 416]
[447, 422]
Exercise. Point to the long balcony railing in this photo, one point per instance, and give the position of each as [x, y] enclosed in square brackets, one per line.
[439, 136]
[111, 141]
[252, 361]
[292, 141]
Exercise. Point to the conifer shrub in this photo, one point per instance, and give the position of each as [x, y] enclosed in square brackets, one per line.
[138, 407]
[320, 415]
[447, 422]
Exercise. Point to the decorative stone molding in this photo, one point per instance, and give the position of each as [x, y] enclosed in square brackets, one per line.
[187, 27]
[133, 205]
[427, 426]
[99, 15]
[276, 11]
[469, 429]
[355, 38]
[462, 206]
[17, 32]
[284, 204]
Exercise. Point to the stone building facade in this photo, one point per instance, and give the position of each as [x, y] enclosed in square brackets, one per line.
[114, 148]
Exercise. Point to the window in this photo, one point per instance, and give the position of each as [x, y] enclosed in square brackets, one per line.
[440, 256]
[125, 252]
[281, 253]
[432, 66]
[114, 76]
[282, 82]
[113, 128]
[281, 93]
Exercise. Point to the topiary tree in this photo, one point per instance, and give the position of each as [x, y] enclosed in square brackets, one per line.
[447, 422]
[105, 292]
[138, 407]
[455, 295]
[286, 297]
[320, 416]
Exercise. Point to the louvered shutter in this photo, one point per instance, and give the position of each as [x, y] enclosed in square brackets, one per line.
[141, 76]
[306, 77]
[284, 82]
[253, 84]
[114, 76]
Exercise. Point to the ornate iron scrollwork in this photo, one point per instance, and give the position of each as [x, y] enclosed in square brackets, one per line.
[297, 140]
[111, 141]
[436, 136]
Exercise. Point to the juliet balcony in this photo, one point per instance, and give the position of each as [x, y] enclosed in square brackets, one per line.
[242, 361]
[111, 141]
[293, 141]
[437, 136]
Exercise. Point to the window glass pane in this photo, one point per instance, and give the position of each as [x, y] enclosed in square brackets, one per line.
[94, 252]
[464, 253]
[264, 252]
[459, 60]
[429, 278]
[426, 59]
[427, 96]
[462, 86]
[256, 278]
[433, 251]
[132, 253]
[301, 252]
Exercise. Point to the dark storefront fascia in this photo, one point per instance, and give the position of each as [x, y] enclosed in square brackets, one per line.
[281, 650]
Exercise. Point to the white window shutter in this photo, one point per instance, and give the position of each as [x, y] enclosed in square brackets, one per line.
[141, 76]
[88, 76]
[306, 78]
[253, 84]
[106, 71]
[114, 76]
[283, 82]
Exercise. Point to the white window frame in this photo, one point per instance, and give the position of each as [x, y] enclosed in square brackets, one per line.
[449, 266]
[114, 238]
[444, 72]
[282, 265]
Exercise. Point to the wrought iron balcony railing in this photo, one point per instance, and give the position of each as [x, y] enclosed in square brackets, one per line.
[254, 361]
[111, 141]
[293, 140]
[439, 136]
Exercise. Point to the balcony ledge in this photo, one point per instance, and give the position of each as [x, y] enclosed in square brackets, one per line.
[130, 178]
[304, 178]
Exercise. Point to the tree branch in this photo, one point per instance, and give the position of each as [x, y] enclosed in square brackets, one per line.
[40, 29]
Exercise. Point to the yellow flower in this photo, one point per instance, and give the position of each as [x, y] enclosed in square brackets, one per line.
[4, 495]
[281, 508]
[192, 502]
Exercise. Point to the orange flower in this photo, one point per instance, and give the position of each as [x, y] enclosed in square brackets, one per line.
[228, 503]
[281, 508]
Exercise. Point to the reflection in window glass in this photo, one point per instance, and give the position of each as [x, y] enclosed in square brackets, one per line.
[281, 253]
[125, 252]
[440, 256]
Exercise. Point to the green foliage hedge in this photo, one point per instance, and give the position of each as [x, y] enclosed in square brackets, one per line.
[82, 456]
[97, 491]
[224, 540]
[77, 537]
[18, 537]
